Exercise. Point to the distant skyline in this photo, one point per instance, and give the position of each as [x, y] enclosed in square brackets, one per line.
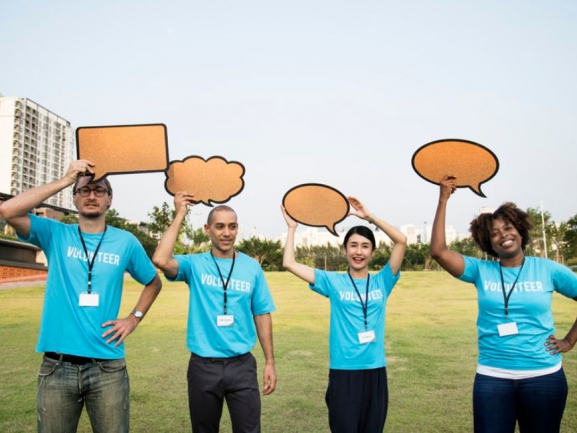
[332, 92]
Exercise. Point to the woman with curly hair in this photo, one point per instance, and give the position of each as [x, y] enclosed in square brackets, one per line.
[519, 376]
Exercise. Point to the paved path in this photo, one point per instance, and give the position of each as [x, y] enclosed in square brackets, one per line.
[18, 284]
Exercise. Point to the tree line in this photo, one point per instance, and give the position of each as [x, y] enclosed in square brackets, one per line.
[557, 241]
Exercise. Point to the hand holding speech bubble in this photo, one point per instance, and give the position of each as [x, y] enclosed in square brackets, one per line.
[123, 148]
[316, 205]
[213, 180]
[471, 163]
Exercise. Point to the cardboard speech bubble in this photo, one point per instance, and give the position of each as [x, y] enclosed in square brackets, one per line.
[123, 149]
[316, 205]
[213, 180]
[472, 163]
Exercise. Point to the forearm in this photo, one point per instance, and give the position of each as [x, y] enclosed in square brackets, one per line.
[392, 232]
[289, 248]
[263, 324]
[24, 202]
[571, 336]
[163, 257]
[148, 295]
[438, 242]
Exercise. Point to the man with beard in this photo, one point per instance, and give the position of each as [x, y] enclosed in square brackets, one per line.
[81, 335]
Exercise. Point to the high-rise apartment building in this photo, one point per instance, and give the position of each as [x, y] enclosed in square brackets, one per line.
[36, 147]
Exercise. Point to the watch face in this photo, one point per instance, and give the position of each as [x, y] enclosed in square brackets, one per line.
[138, 314]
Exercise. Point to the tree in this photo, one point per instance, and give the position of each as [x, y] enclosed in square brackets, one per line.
[160, 219]
[267, 253]
[570, 238]
[416, 257]
[466, 247]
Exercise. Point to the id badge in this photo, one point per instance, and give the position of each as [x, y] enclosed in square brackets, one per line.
[509, 328]
[88, 300]
[225, 320]
[367, 337]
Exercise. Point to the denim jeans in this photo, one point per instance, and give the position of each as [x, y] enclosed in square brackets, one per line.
[536, 403]
[64, 388]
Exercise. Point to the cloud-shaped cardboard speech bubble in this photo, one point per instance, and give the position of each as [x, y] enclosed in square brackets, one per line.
[211, 181]
[472, 163]
[316, 205]
[123, 149]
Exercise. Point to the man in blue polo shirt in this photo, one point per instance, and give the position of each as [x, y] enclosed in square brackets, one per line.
[230, 304]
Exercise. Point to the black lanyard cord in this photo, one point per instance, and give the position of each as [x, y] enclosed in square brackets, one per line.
[365, 304]
[224, 283]
[91, 262]
[508, 295]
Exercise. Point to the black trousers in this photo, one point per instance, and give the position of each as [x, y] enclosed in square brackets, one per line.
[357, 400]
[211, 381]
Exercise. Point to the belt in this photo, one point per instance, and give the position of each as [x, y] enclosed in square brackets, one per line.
[222, 360]
[72, 359]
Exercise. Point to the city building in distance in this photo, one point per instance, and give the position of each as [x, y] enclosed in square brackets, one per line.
[36, 147]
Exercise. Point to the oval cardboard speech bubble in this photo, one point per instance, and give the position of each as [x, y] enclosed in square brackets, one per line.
[472, 163]
[214, 180]
[316, 205]
[123, 149]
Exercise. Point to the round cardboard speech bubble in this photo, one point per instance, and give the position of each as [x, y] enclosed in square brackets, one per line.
[472, 163]
[214, 180]
[316, 205]
[122, 149]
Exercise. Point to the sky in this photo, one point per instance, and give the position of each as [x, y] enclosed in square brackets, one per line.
[335, 92]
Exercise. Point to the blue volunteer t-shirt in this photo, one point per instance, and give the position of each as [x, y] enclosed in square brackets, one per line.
[248, 295]
[529, 308]
[347, 318]
[65, 326]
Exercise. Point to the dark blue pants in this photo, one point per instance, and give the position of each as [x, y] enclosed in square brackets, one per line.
[536, 403]
[357, 400]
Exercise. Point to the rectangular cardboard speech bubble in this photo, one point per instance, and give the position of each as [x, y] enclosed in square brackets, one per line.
[122, 149]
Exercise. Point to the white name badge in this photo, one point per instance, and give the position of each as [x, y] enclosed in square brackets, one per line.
[225, 320]
[367, 337]
[509, 328]
[88, 300]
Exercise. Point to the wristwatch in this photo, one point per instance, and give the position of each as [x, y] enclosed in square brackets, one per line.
[138, 314]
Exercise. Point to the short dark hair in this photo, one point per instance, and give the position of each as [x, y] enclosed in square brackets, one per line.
[364, 232]
[220, 208]
[509, 212]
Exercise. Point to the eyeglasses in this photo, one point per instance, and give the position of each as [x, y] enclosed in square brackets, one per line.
[85, 191]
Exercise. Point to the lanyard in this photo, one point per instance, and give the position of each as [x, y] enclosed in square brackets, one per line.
[365, 304]
[90, 262]
[224, 284]
[508, 295]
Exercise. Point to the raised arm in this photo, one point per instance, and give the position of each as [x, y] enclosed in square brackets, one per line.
[163, 257]
[451, 261]
[16, 210]
[289, 262]
[398, 238]
[263, 323]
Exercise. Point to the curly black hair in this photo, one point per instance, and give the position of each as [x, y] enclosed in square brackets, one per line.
[481, 226]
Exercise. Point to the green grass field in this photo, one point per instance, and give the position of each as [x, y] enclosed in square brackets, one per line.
[430, 341]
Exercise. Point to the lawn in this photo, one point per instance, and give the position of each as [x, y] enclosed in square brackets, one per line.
[430, 341]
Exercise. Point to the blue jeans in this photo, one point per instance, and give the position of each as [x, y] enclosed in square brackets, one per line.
[64, 388]
[536, 403]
